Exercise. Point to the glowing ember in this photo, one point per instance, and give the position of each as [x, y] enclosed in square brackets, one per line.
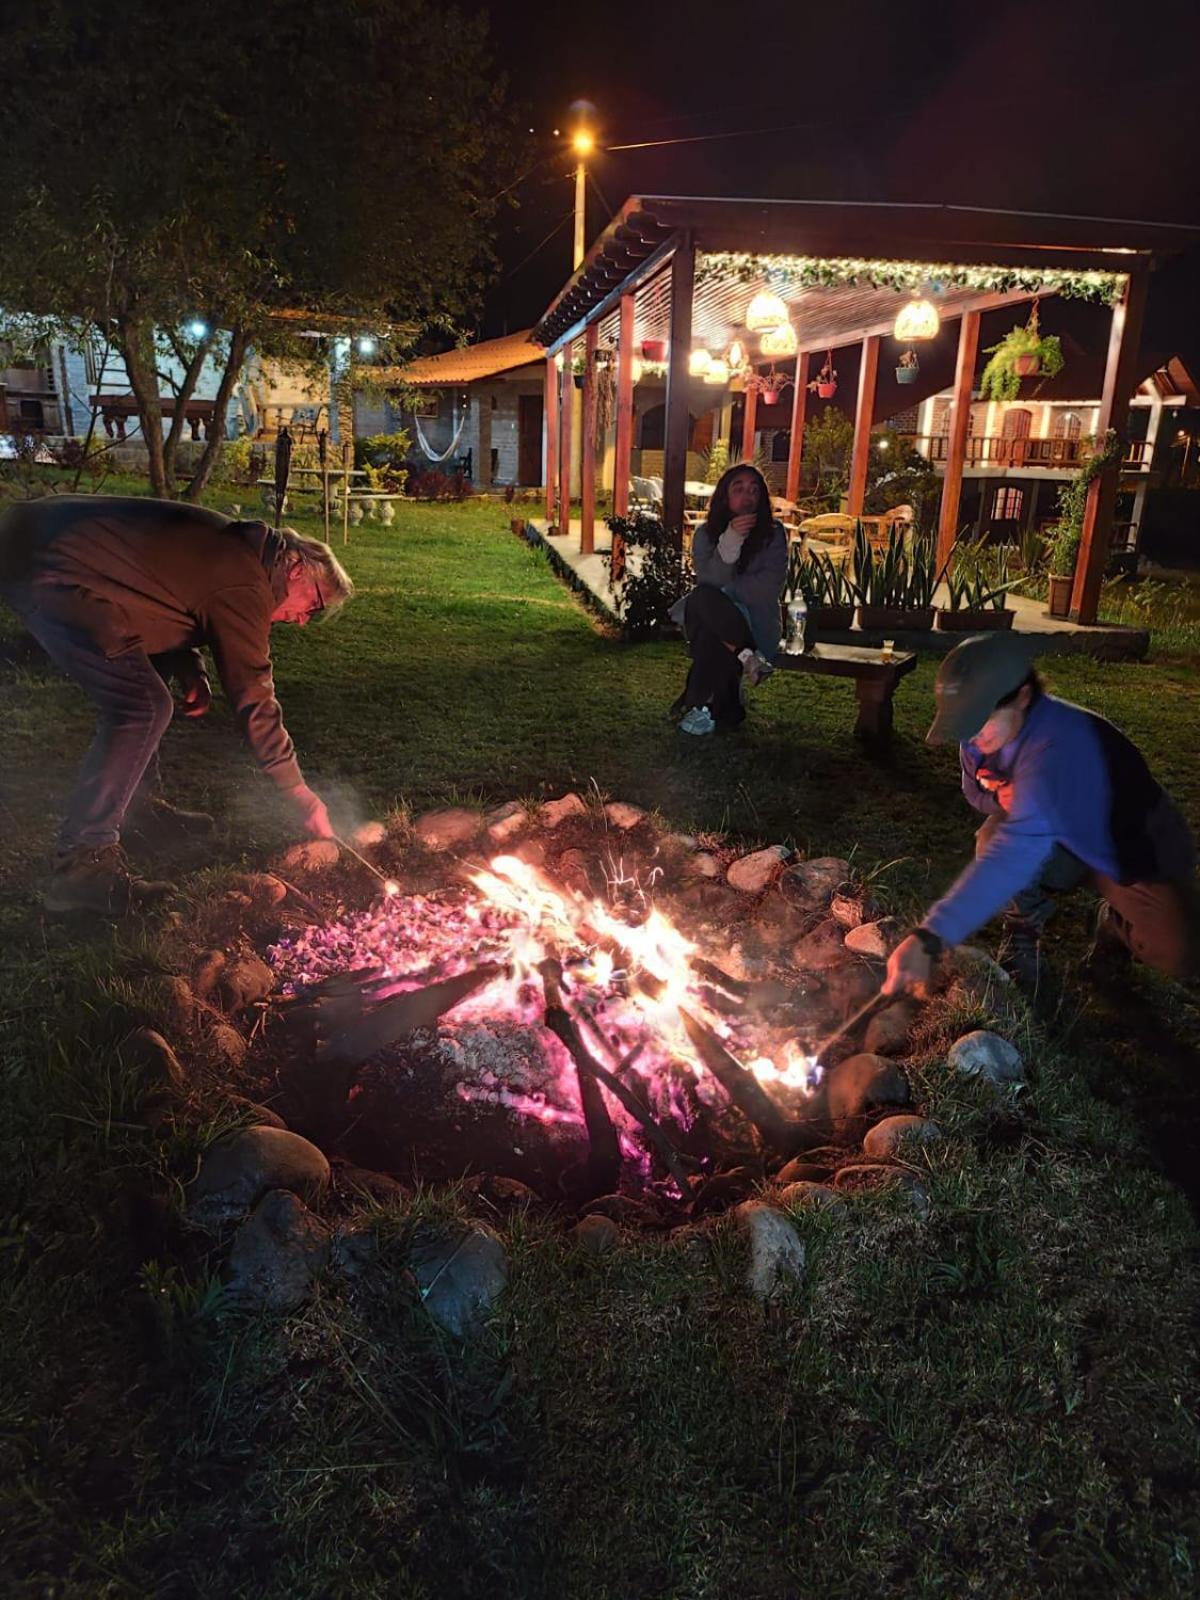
[625, 980]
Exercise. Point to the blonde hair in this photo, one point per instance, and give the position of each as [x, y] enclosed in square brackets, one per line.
[332, 579]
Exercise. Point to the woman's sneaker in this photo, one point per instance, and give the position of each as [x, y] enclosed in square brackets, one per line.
[698, 720]
[755, 667]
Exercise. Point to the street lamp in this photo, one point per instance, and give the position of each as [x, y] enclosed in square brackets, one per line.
[583, 143]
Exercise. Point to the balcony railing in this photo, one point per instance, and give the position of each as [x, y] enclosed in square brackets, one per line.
[1048, 454]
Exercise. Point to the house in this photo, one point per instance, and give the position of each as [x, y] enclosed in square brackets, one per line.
[478, 409]
[776, 290]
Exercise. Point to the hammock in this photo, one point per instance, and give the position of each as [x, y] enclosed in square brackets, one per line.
[459, 424]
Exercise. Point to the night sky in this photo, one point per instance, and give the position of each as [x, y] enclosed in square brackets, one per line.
[1088, 109]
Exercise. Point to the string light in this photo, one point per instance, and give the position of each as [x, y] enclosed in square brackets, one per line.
[829, 272]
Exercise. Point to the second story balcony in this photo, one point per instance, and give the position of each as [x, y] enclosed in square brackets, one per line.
[999, 453]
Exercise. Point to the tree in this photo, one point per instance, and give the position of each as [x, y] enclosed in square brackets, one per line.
[336, 159]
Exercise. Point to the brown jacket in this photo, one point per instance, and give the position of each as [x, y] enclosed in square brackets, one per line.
[166, 578]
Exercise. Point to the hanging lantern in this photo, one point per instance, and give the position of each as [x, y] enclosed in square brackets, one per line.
[918, 319]
[699, 362]
[736, 356]
[779, 341]
[765, 311]
[718, 373]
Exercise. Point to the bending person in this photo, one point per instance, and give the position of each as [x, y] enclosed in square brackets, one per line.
[732, 617]
[1067, 800]
[121, 594]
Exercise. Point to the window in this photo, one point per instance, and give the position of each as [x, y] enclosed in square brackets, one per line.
[1007, 503]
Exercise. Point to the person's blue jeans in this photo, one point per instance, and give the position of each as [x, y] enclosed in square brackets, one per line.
[134, 707]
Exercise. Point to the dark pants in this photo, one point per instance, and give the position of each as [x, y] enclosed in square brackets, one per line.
[716, 630]
[134, 706]
[1157, 919]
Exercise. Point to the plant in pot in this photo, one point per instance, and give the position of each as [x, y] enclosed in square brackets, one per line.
[908, 367]
[1024, 352]
[578, 370]
[654, 350]
[894, 586]
[825, 382]
[977, 586]
[825, 589]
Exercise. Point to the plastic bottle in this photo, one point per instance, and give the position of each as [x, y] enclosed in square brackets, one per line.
[797, 623]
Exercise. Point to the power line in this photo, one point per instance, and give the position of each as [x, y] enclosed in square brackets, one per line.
[524, 263]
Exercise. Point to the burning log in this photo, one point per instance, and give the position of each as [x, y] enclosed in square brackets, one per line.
[711, 973]
[604, 1160]
[406, 1013]
[743, 1089]
[561, 1024]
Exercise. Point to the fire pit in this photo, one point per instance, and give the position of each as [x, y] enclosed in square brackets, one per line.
[583, 1039]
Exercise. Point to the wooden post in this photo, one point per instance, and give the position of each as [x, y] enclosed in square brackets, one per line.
[867, 371]
[587, 445]
[960, 421]
[796, 446]
[624, 442]
[347, 459]
[551, 411]
[1119, 376]
[566, 393]
[749, 418]
[483, 473]
[683, 270]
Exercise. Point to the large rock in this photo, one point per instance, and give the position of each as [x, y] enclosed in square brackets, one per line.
[848, 909]
[243, 1166]
[751, 874]
[263, 889]
[820, 949]
[776, 1249]
[850, 986]
[867, 1176]
[447, 830]
[596, 1235]
[368, 834]
[986, 1055]
[553, 812]
[228, 1045]
[366, 1184]
[805, 1193]
[460, 1279]
[277, 1252]
[885, 1139]
[876, 939]
[622, 815]
[207, 972]
[179, 1003]
[702, 865]
[505, 822]
[816, 882]
[801, 1170]
[887, 1032]
[310, 855]
[154, 1061]
[243, 981]
[858, 1086]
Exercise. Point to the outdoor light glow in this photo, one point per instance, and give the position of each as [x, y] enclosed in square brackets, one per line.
[718, 373]
[917, 320]
[779, 341]
[366, 346]
[635, 370]
[736, 356]
[582, 142]
[699, 362]
[198, 329]
[883, 444]
[766, 311]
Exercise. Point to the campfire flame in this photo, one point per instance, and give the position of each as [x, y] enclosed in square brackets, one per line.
[627, 982]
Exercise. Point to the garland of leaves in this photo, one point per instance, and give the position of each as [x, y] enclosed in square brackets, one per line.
[829, 272]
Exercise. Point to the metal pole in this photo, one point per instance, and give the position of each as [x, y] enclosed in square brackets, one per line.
[347, 458]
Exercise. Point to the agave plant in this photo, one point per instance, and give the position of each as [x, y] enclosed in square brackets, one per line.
[901, 576]
[819, 580]
[977, 576]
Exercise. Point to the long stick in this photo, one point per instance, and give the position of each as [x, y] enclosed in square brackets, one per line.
[744, 1090]
[389, 884]
[850, 1022]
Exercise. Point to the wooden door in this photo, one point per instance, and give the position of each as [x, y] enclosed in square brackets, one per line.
[529, 438]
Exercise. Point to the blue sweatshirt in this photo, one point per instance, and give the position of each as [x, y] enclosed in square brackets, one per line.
[1069, 778]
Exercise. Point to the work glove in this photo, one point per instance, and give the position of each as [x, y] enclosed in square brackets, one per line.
[311, 812]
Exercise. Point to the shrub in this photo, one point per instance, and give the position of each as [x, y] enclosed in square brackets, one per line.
[649, 586]
[432, 484]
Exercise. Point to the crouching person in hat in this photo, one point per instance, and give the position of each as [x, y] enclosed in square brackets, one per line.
[121, 594]
[1066, 800]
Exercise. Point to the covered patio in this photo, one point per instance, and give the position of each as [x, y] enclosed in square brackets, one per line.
[758, 298]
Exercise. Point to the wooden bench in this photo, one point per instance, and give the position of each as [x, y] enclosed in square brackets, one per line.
[875, 678]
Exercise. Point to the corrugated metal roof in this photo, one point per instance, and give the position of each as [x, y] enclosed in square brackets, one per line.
[467, 364]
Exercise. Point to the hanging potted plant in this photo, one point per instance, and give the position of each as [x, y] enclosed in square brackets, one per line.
[977, 587]
[825, 589]
[654, 349]
[907, 367]
[770, 386]
[1024, 352]
[894, 586]
[825, 382]
[578, 370]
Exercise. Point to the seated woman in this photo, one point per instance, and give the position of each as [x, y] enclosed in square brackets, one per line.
[731, 618]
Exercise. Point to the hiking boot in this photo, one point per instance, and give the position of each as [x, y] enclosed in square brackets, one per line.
[698, 720]
[156, 819]
[98, 880]
[1108, 957]
[755, 667]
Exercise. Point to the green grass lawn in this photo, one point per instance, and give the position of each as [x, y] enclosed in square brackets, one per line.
[999, 1402]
